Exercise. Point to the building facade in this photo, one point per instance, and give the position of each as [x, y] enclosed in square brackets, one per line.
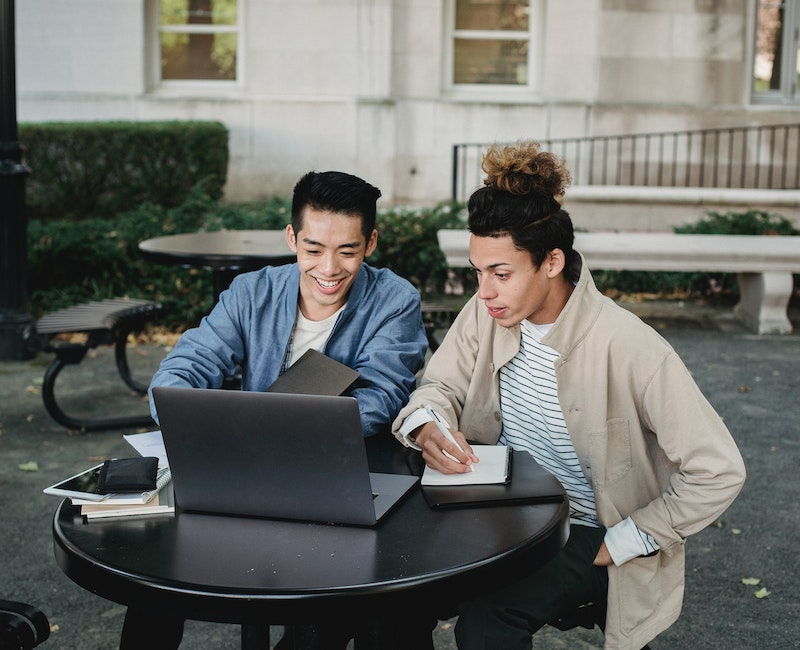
[385, 88]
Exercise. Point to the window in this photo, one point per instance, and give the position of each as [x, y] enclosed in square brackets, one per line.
[492, 43]
[775, 69]
[198, 40]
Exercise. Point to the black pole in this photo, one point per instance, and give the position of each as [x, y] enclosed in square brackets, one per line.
[15, 323]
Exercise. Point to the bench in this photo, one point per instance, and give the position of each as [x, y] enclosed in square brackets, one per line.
[104, 322]
[22, 626]
[764, 264]
[438, 313]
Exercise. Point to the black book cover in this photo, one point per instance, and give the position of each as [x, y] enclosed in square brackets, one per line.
[530, 483]
[315, 374]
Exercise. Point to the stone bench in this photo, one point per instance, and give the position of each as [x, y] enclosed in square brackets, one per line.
[764, 264]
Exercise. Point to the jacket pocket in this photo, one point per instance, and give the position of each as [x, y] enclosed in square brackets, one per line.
[611, 451]
[640, 591]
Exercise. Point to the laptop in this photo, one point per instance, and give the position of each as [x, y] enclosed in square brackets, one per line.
[273, 455]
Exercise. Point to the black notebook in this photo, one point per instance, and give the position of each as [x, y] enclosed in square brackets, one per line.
[315, 374]
[530, 483]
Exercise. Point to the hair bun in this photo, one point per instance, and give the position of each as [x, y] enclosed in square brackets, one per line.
[525, 169]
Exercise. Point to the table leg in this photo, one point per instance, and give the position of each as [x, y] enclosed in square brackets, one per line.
[255, 636]
[394, 634]
[222, 280]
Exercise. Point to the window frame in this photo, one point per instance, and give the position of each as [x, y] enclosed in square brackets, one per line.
[534, 36]
[155, 29]
[788, 91]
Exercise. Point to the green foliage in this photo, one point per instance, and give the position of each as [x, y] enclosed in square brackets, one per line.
[751, 222]
[75, 261]
[407, 243]
[99, 169]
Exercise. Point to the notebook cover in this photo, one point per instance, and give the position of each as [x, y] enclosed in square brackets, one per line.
[315, 374]
[530, 483]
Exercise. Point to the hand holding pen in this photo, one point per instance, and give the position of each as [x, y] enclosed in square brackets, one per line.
[436, 454]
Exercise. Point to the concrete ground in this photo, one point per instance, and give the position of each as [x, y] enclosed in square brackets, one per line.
[753, 381]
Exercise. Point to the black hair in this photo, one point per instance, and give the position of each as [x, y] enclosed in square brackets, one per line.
[336, 192]
[519, 200]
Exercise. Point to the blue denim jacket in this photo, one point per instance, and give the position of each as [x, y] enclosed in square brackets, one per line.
[379, 333]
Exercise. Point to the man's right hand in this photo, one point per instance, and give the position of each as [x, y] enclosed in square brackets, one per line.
[439, 453]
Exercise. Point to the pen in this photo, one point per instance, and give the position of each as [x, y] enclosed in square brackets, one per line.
[445, 432]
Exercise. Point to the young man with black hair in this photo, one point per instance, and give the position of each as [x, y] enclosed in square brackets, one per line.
[331, 301]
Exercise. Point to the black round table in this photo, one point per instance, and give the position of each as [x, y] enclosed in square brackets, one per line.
[225, 252]
[257, 571]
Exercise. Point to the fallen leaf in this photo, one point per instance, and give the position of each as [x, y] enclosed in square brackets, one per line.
[761, 593]
[32, 389]
[751, 581]
[736, 531]
[30, 466]
[745, 389]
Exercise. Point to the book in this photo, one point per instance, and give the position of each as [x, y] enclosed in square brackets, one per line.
[494, 467]
[315, 374]
[162, 503]
[530, 484]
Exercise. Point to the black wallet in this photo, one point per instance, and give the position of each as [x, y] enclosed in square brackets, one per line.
[128, 475]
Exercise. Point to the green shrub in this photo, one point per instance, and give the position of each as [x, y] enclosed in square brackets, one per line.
[407, 244]
[751, 222]
[100, 169]
[75, 261]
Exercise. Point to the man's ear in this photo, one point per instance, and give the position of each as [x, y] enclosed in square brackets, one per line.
[372, 243]
[291, 238]
[555, 263]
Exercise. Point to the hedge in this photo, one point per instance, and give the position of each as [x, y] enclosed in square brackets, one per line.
[100, 169]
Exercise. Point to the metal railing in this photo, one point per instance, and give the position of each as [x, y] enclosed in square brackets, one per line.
[755, 157]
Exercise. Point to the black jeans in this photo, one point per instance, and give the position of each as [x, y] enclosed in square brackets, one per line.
[508, 617]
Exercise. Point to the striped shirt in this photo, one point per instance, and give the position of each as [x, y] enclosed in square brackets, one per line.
[533, 421]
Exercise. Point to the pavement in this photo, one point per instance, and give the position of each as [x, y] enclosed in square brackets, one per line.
[753, 382]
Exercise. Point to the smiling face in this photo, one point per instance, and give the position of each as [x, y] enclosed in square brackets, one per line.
[512, 288]
[330, 248]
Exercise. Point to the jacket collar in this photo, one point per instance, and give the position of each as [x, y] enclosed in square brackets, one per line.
[577, 317]
[292, 291]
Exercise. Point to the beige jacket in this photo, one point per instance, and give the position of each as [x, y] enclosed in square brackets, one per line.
[648, 441]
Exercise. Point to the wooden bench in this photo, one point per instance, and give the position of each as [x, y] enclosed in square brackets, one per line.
[764, 264]
[104, 322]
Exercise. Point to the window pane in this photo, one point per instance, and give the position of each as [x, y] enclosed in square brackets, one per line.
[492, 14]
[198, 12]
[484, 61]
[198, 56]
[769, 40]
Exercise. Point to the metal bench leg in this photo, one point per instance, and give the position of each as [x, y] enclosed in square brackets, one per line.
[22, 625]
[73, 354]
[121, 356]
